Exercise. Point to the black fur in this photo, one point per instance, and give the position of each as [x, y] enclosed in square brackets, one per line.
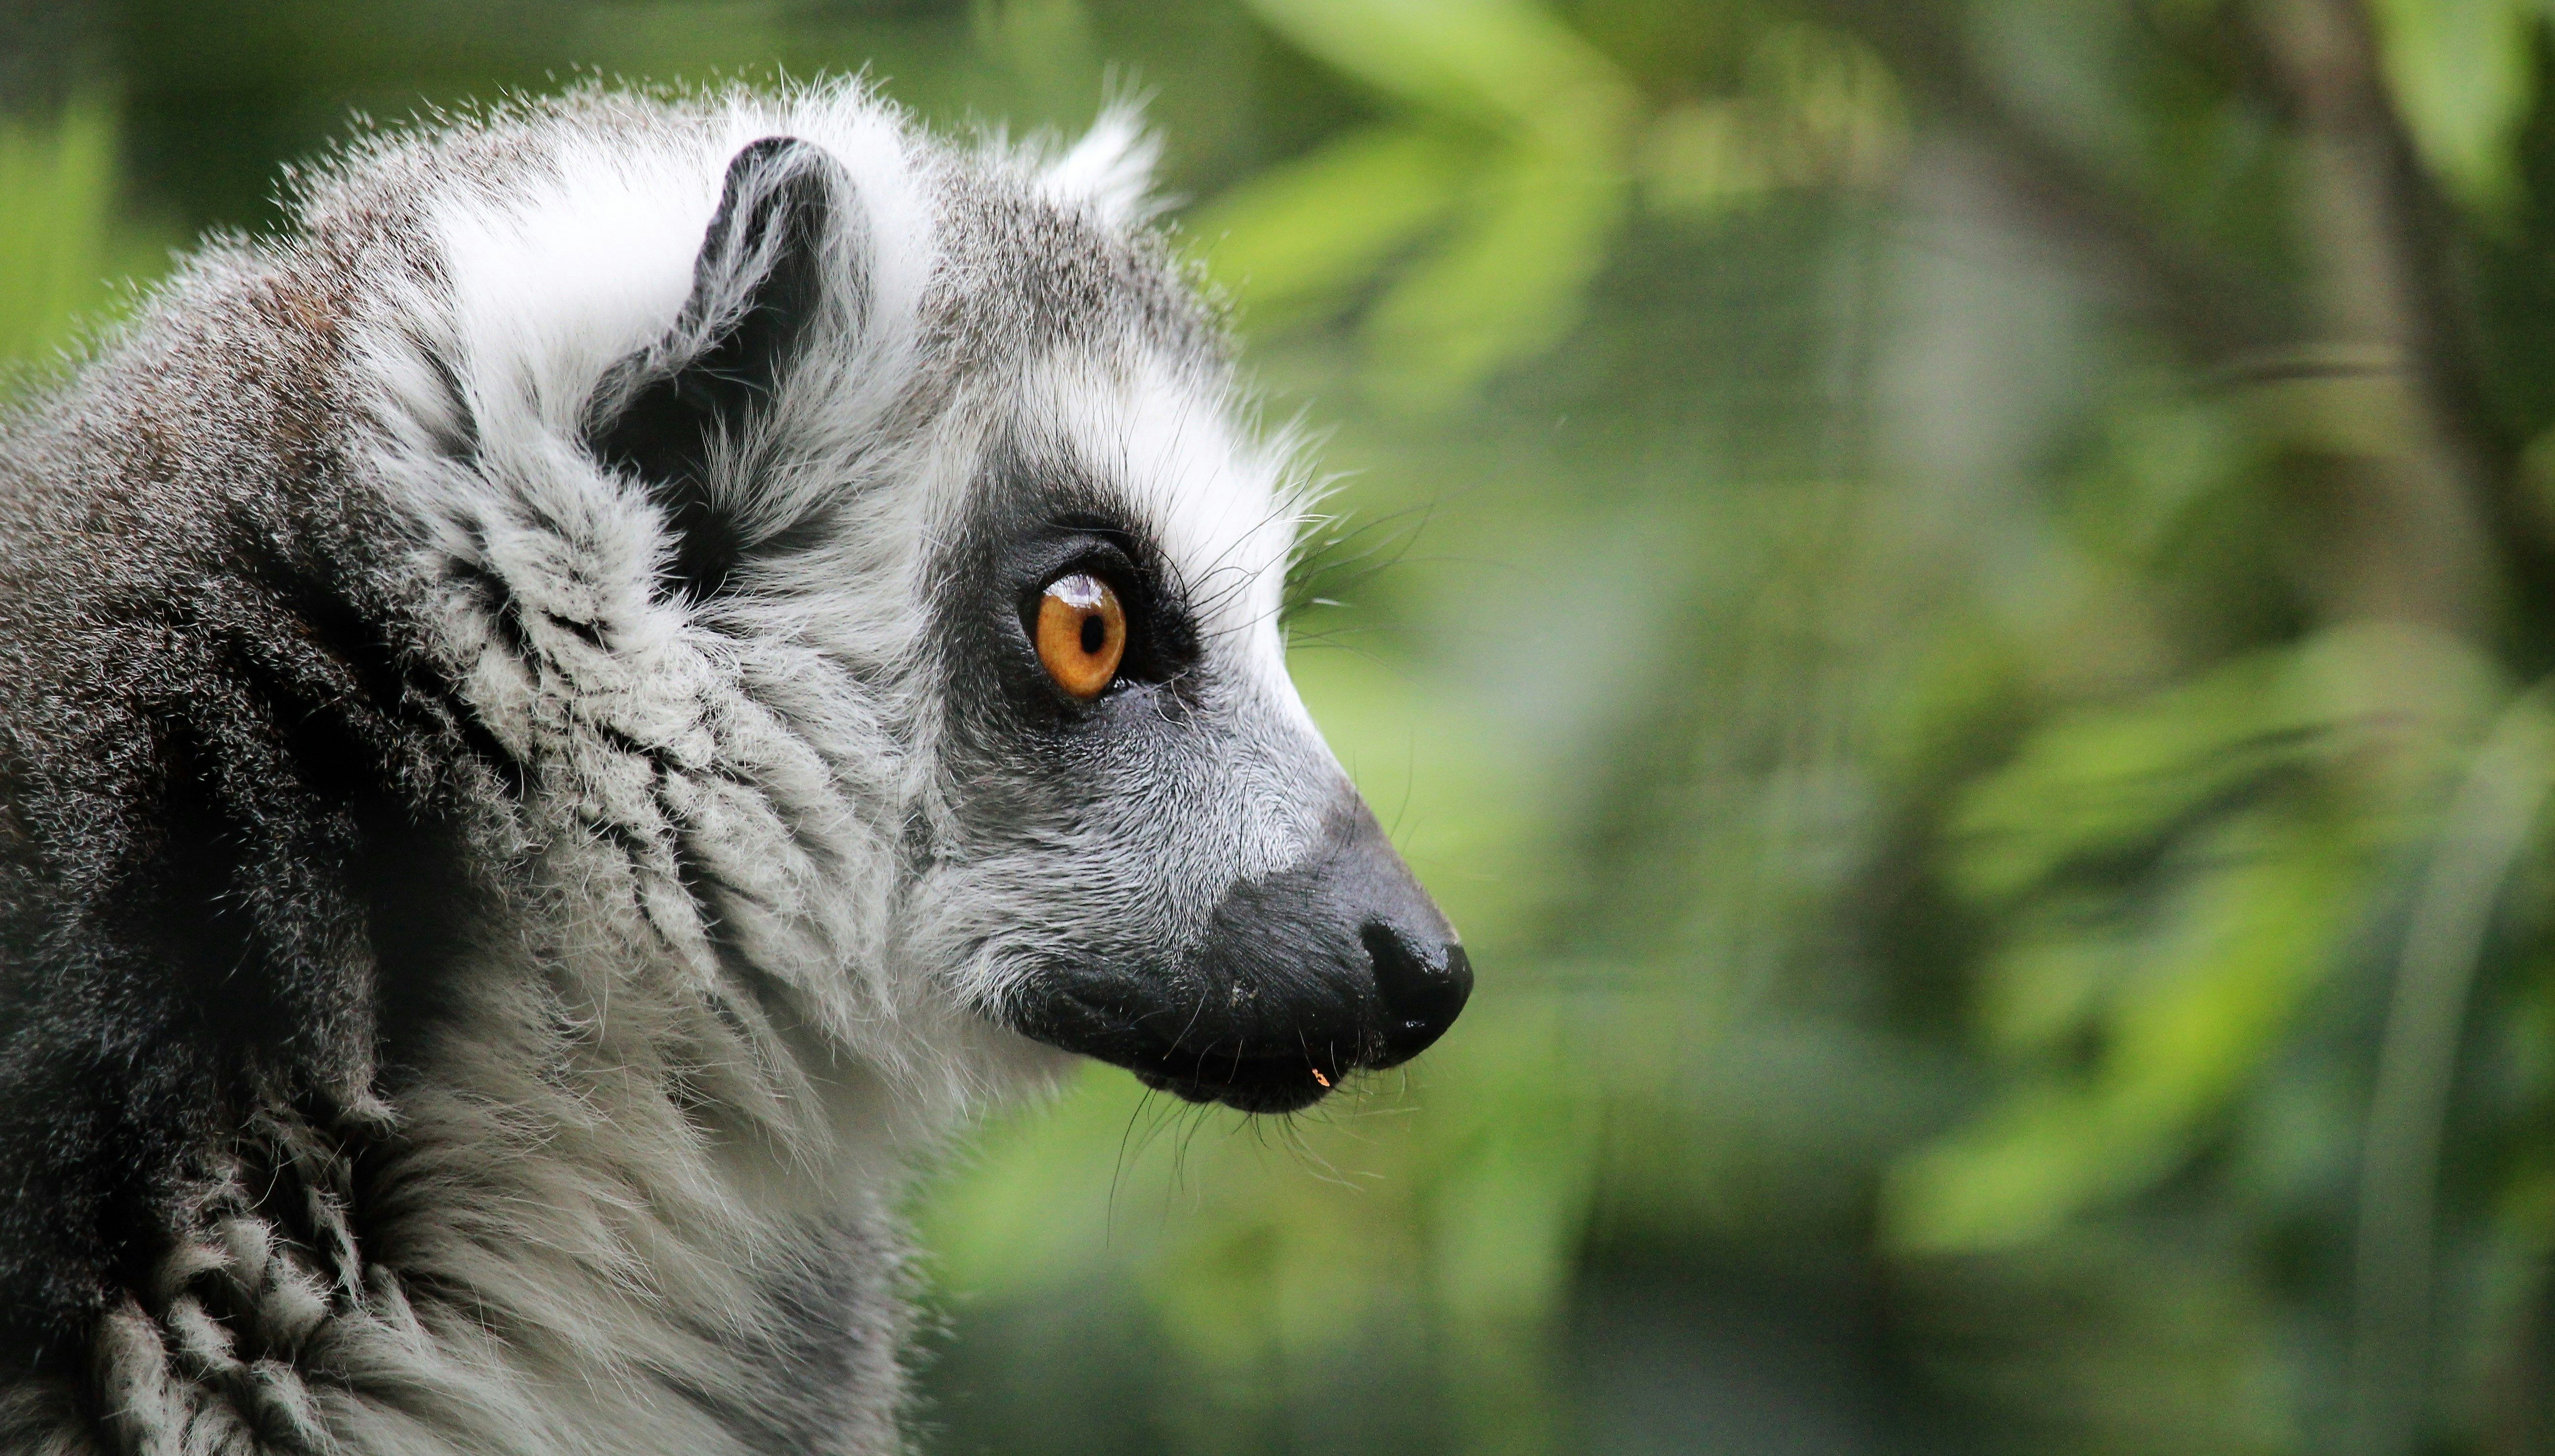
[671, 413]
[223, 781]
[464, 988]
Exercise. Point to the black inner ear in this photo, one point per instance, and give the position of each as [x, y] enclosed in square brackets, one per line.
[758, 288]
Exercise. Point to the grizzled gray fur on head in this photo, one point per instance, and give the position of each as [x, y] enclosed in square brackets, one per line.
[532, 790]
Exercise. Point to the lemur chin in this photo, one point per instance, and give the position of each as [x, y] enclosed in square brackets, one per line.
[571, 717]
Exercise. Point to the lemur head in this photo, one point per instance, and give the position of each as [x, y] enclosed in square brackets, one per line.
[927, 472]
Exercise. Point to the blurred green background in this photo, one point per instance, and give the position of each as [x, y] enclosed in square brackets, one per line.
[1956, 597]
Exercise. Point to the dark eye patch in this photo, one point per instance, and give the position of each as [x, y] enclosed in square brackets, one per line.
[1035, 518]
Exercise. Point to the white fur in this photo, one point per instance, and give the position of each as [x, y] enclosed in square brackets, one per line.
[606, 1231]
[1110, 170]
[744, 965]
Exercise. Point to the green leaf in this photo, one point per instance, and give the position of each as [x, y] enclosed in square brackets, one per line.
[1310, 233]
[2271, 797]
[2113, 782]
[2110, 782]
[57, 186]
[2038, 991]
[1539, 212]
[1698, 156]
[2464, 77]
[1506, 286]
[1506, 63]
[2246, 940]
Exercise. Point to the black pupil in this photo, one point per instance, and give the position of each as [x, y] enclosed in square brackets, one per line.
[1094, 633]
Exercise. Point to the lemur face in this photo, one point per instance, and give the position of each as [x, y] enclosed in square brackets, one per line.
[1128, 839]
[1167, 866]
[1152, 856]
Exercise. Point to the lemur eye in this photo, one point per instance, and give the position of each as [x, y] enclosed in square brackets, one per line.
[1081, 634]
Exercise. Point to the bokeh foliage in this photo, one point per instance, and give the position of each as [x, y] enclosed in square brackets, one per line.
[1955, 596]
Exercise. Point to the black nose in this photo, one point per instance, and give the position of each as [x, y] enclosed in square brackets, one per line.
[1337, 964]
[1423, 982]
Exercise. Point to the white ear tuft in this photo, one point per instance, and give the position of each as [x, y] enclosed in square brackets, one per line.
[1110, 170]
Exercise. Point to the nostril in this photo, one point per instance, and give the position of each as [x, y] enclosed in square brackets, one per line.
[1424, 986]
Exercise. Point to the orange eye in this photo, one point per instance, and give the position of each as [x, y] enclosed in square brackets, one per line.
[1081, 634]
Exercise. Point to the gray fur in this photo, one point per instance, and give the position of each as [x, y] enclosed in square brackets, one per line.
[515, 841]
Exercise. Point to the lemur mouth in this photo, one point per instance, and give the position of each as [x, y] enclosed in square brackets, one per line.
[1333, 1026]
[1273, 1085]
[1338, 965]
[1219, 1064]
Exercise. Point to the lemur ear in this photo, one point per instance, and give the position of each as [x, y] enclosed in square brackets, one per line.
[1110, 170]
[687, 415]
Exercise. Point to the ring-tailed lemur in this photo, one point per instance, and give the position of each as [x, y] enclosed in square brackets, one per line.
[570, 717]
